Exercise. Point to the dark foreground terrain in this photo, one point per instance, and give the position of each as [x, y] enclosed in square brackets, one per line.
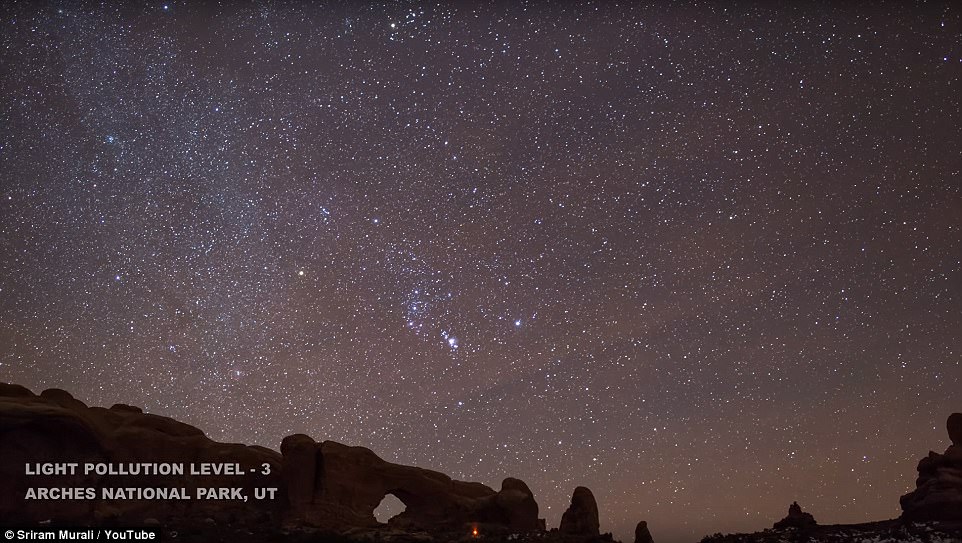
[889, 531]
[327, 492]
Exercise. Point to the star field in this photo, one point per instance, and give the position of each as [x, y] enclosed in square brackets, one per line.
[704, 260]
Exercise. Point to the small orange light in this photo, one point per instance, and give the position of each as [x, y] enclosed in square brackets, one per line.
[474, 531]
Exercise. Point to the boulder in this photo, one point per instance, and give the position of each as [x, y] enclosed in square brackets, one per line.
[581, 518]
[62, 398]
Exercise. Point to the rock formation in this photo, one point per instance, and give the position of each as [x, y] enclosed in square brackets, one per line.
[642, 535]
[796, 518]
[887, 531]
[338, 487]
[323, 486]
[938, 492]
[54, 427]
[581, 518]
[954, 426]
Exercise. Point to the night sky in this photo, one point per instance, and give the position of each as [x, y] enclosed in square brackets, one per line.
[704, 260]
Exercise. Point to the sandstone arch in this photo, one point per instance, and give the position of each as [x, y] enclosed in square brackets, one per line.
[333, 485]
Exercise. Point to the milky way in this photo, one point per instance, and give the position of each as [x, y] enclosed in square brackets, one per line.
[702, 260]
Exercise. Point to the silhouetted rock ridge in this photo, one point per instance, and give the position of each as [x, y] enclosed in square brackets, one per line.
[938, 489]
[325, 486]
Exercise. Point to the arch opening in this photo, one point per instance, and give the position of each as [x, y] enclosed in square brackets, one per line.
[390, 507]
